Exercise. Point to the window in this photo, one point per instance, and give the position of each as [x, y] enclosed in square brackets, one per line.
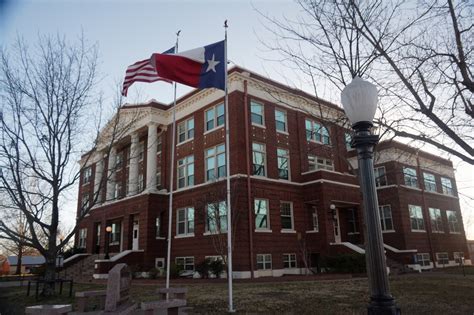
[159, 144]
[318, 163]
[286, 213]
[316, 132]
[352, 221]
[82, 238]
[216, 217]
[186, 172]
[283, 159]
[429, 181]
[386, 220]
[442, 258]
[257, 115]
[185, 221]
[423, 259]
[141, 151]
[141, 185]
[264, 261]
[115, 234]
[186, 263]
[117, 190]
[158, 180]
[380, 177]
[436, 220]
[348, 141]
[261, 214]
[447, 186]
[280, 120]
[86, 175]
[258, 159]
[215, 162]
[85, 202]
[289, 260]
[453, 222]
[119, 160]
[416, 218]
[214, 117]
[127, 156]
[410, 177]
[186, 130]
[458, 257]
[315, 220]
[158, 227]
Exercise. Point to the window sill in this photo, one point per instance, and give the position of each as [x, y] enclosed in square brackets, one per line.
[259, 126]
[437, 232]
[312, 231]
[455, 233]
[419, 231]
[160, 238]
[214, 129]
[213, 233]
[288, 231]
[283, 132]
[263, 231]
[317, 142]
[114, 243]
[389, 231]
[185, 141]
[184, 235]
[353, 233]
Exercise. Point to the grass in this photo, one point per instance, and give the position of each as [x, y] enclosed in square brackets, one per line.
[428, 293]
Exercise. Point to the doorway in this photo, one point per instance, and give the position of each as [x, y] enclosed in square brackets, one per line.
[135, 234]
[337, 226]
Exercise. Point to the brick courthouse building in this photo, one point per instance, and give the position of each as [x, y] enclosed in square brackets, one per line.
[294, 192]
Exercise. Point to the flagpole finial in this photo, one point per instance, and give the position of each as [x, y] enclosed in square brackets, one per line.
[225, 24]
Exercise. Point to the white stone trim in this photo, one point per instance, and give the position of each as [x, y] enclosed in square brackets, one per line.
[396, 250]
[184, 235]
[349, 245]
[74, 257]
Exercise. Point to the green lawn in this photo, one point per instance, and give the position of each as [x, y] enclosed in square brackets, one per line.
[427, 293]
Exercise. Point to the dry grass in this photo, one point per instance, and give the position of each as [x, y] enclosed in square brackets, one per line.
[428, 293]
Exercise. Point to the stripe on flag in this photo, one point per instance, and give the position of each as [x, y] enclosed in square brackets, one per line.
[142, 71]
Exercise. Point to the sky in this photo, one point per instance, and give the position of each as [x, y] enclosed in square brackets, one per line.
[129, 31]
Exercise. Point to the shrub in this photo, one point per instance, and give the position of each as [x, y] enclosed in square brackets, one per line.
[153, 273]
[217, 267]
[203, 268]
[345, 263]
[175, 270]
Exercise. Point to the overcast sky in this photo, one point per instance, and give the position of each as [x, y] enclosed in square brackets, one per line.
[128, 31]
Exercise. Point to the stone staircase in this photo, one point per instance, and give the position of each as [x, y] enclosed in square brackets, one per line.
[82, 270]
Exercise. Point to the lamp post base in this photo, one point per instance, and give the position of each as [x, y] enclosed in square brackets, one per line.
[383, 305]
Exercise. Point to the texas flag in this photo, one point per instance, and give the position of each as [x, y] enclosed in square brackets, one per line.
[202, 67]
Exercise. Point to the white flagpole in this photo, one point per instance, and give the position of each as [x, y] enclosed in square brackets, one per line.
[170, 208]
[227, 163]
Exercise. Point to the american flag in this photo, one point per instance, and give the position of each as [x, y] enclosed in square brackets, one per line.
[142, 71]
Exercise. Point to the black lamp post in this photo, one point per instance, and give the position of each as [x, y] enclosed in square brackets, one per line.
[108, 229]
[359, 99]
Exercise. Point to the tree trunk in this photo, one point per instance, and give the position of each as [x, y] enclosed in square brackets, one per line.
[19, 261]
[49, 276]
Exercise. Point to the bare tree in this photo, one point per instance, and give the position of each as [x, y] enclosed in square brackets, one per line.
[17, 246]
[49, 107]
[214, 215]
[419, 53]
